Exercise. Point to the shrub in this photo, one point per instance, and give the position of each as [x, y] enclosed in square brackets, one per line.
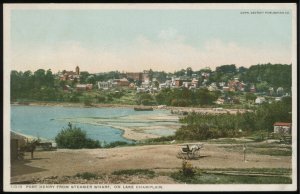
[87, 102]
[180, 102]
[161, 139]
[75, 138]
[148, 102]
[74, 98]
[187, 169]
[115, 144]
[101, 98]
[145, 99]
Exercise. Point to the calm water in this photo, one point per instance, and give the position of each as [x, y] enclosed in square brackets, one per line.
[46, 122]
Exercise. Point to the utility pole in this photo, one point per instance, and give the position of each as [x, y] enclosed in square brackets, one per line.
[244, 150]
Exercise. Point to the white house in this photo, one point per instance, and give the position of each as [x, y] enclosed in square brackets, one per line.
[260, 100]
[104, 85]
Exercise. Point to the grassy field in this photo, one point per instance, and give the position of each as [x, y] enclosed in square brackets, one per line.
[236, 176]
[262, 149]
[203, 176]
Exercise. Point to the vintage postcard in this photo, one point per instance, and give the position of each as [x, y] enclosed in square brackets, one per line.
[150, 97]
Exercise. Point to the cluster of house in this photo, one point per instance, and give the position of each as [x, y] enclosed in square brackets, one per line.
[191, 82]
[115, 83]
[148, 83]
[126, 81]
[235, 85]
[70, 75]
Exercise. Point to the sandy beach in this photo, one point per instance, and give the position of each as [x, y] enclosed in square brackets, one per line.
[175, 109]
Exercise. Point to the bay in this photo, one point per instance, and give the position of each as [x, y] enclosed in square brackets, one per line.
[46, 121]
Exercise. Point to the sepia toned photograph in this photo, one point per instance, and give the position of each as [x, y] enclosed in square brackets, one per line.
[150, 97]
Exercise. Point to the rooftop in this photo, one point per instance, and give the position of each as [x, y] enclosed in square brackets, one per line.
[282, 124]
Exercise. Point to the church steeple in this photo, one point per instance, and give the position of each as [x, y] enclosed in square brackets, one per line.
[77, 70]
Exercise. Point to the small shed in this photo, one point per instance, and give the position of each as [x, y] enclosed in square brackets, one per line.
[16, 141]
[280, 127]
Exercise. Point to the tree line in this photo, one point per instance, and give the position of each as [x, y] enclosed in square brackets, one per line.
[43, 85]
[200, 126]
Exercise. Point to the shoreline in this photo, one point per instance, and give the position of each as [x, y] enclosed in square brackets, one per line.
[127, 132]
[70, 104]
[176, 110]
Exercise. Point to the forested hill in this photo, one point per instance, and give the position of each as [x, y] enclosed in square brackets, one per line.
[275, 75]
[45, 85]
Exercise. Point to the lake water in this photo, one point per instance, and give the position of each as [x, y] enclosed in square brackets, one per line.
[46, 122]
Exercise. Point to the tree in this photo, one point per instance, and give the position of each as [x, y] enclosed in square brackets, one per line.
[242, 69]
[39, 78]
[250, 96]
[275, 75]
[145, 99]
[150, 74]
[75, 138]
[180, 73]
[49, 78]
[91, 79]
[226, 69]
[83, 76]
[262, 86]
[189, 71]
[156, 84]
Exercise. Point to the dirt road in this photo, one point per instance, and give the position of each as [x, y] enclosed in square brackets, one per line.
[65, 162]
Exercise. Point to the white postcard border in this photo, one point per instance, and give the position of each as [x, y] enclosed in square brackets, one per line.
[140, 187]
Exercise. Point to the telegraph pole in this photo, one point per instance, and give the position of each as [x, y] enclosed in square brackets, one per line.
[244, 150]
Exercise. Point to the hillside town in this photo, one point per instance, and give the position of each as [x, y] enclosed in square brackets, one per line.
[151, 82]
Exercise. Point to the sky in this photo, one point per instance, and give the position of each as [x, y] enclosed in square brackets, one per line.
[135, 40]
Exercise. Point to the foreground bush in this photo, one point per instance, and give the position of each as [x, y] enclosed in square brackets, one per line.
[75, 138]
[187, 169]
[116, 144]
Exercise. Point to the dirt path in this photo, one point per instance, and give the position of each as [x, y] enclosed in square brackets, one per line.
[65, 162]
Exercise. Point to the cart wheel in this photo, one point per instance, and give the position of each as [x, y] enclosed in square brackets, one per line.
[190, 155]
[179, 155]
[197, 154]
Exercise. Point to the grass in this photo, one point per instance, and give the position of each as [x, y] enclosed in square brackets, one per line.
[273, 152]
[263, 149]
[227, 141]
[128, 98]
[117, 144]
[274, 171]
[236, 176]
[270, 145]
[134, 172]
[87, 175]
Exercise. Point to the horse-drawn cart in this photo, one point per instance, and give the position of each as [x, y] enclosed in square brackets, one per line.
[190, 151]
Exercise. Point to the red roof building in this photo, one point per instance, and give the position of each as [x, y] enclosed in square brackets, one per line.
[281, 127]
[282, 124]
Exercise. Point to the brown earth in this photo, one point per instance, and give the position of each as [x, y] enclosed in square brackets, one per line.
[160, 158]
